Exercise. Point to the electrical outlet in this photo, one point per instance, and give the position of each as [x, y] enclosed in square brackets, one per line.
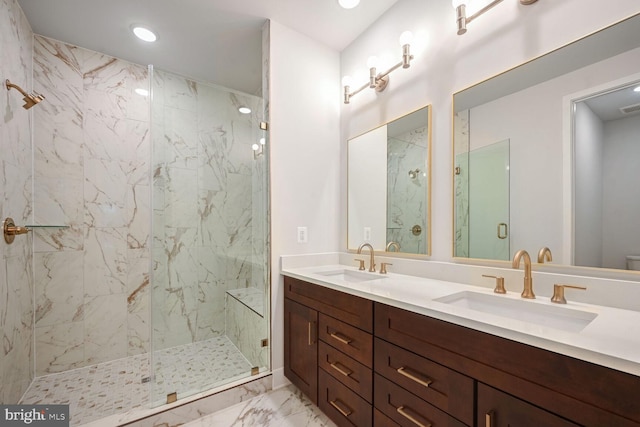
[367, 234]
[302, 235]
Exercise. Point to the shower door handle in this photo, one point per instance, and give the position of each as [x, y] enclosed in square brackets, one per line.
[503, 231]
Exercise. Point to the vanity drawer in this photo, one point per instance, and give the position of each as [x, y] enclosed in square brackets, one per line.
[442, 387]
[342, 405]
[354, 310]
[349, 340]
[406, 409]
[381, 420]
[348, 371]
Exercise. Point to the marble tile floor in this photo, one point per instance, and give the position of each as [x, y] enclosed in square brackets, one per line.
[284, 407]
[97, 391]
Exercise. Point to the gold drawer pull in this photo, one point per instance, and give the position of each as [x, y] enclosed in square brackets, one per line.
[404, 413]
[342, 339]
[312, 326]
[344, 371]
[402, 371]
[345, 412]
[488, 421]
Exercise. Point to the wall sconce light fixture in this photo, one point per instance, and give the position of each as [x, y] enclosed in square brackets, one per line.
[258, 149]
[379, 81]
[461, 12]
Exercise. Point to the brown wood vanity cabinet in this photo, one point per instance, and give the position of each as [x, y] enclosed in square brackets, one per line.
[419, 371]
[337, 328]
[516, 384]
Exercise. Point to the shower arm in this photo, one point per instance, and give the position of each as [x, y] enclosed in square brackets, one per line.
[18, 88]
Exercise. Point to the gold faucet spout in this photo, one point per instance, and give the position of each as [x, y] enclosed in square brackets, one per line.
[372, 265]
[544, 253]
[527, 292]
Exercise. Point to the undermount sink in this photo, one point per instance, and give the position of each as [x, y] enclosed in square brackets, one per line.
[556, 317]
[350, 275]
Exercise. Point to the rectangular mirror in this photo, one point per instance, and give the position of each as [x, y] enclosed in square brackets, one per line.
[546, 154]
[389, 175]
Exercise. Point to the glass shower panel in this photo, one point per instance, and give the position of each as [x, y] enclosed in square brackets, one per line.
[210, 274]
[488, 187]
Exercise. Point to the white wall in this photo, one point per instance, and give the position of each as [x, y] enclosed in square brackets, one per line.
[446, 63]
[305, 157]
[588, 187]
[621, 193]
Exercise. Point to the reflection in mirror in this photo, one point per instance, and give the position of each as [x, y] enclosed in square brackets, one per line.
[607, 197]
[566, 177]
[388, 186]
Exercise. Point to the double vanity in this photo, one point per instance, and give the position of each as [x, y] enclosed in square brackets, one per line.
[375, 349]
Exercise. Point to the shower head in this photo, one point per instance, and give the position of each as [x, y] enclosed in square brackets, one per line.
[29, 99]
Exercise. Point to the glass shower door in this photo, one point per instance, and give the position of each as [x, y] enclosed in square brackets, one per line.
[489, 202]
[210, 274]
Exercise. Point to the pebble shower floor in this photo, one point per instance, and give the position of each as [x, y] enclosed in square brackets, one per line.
[97, 391]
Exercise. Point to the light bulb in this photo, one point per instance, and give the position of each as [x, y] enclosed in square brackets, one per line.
[406, 38]
[348, 4]
[347, 81]
[456, 3]
[372, 62]
[255, 147]
[144, 34]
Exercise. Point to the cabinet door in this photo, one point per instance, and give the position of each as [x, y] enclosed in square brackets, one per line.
[301, 347]
[498, 409]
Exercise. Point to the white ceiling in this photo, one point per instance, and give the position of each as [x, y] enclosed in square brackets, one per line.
[218, 41]
[607, 106]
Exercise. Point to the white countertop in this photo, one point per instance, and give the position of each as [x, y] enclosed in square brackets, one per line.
[612, 339]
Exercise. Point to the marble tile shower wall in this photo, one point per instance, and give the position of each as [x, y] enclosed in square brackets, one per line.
[92, 174]
[16, 275]
[461, 208]
[203, 220]
[406, 205]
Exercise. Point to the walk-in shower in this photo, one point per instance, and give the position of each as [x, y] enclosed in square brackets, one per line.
[146, 276]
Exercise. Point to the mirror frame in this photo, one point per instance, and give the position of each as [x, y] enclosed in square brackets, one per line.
[428, 222]
[608, 273]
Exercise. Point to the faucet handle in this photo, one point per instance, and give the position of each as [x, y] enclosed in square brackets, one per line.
[361, 266]
[558, 292]
[499, 289]
[383, 267]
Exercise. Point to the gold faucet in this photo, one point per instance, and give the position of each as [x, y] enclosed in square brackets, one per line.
[527, 292]
[544, 253]
[372, 265]
[394, 245]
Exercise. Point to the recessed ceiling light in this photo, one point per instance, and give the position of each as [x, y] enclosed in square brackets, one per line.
[349, 4]
[244, 110]
[144, 34]
[142, 92]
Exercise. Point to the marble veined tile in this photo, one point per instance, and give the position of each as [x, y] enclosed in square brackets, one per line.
[138, 216]
[284, 407]
[105, 261]
[58, 201]
[105, 192]
[59, 287]
[104, 73]
[57, 72]
[59, 347]
[105, 328]
[58, 142]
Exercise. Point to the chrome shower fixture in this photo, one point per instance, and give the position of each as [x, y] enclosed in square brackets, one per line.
[29, 99]
[413, 174]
